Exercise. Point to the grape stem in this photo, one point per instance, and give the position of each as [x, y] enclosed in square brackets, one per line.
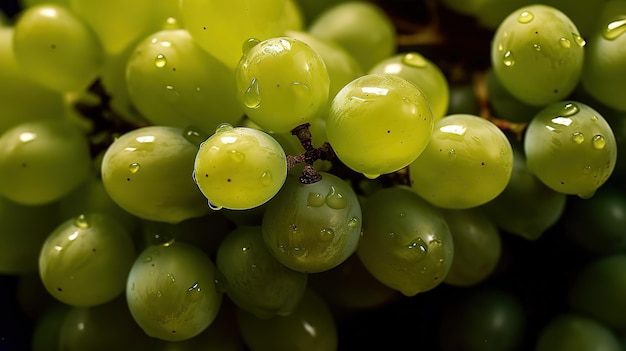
[310, 154]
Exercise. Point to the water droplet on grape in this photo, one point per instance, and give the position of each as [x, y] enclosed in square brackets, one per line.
[580, 41]
[569, 110]
[300, 89]
[81, 222]
[578, 137]
[326, 234]
[194, 136]
[266, 178]
[452, 154]
[170, 280]
[223, 127]
[237, 156]
[249, 44]
[598, 142]
[508, 59]
[335, 199]
[354, 222]
[194, 293]
[525, 17]
[172, 95]
[594, 118]
[588, 195]
[252, 95]
[587, 169]
[299, 252]
[134, 167]
[565, 43]
[414, 59]
[435, 242]
[537, 47]
[614, 29]
[371, 176]
[160, 61]
[148, 259]
[315, 199]
[418, 249]
[159, 293]
[214, 207]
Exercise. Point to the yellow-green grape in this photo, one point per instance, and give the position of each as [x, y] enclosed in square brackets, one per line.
[422, 72]
[468, 162]
[173, 82]
[282, 83]
[406, 243]
[604, 73]
[379, 123]
[147, 172]
[503, 104]
[29, 3]
[57, 48]
[42, 161]
[312, 228]
[239, 168]
[571, 148]
[576, 332]
[253, 279]
[222, 27]
[361, 27]
[294, 19]
[537, 53]
[86, 259]
[310, 327]
[171, 291]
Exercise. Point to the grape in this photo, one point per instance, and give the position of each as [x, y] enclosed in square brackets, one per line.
[422, 72]
[467, 162]
[294, 18]
[171, 291]
[573, 332]
[282, 83]
[147, 172]
[406, 243]
[41, 161]
[571, 148]
[504, 105]
[57, 48]
[47, 328]
[86, 259]
[173, 82]
[379, 123]
[313, 227]
[222, 27]
[537, 54]
[239, 168]
[253, 279]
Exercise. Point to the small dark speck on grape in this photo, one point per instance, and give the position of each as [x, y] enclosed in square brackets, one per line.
[152, 265]
[388, 131]
[59, 289]
[206, 175]
[174, 69]
[173, 331]
[482, 163]
[23, 164]
[555, 91]
[53, 46]
[93, 250]
[562, 183]
[228, 180]
[128, 179]
[204, 28]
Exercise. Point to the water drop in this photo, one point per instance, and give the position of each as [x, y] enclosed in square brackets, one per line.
[614, 29]
[223, 127]
[326, 234]
[435, 242]
[299, 252]
[418, 249]
[159, 293]
[569, 109]
[81, 222]
[300, 89]
[565, 43]
[335, 199]
[194, 136]
[580, 41]
[578, 137]
[252, 95]
[354, 222]
[371, 176]
[249, 44]
[214, 207]
[588, 195]
[598, 142]
[293, 228]
[172, 95]
[160, 61]
[170, 279]
[452, 154]
[315, 199]
[237, 156]
[537, 47]
[134, 167]
[525, 17]
[266, 178]
[147, 259]
[587, 169]
[414, 59]
[594, 118]
[508, 59]
[194, 293]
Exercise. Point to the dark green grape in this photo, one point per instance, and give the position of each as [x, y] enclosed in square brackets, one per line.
[572, 332]
[47, 328]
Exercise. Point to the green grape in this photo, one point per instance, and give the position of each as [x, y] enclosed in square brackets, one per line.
[526, 207]
[171, 291]
[506, 106]
[29, 3]
[282, 83]
[573, 332]
[239, 168]
[172, 81]
[294, 19]
[571, 148]
[463, 100]
[57, 48]
[222, 27]
[379, 123]
[599, 291]
[310, 327]
[467, 162]
[253, 279]
[477, 247]
[41, 161]
[406, 243]
[86, 259]
[314, 227]
[107, 326]
[604, 73]
[422, 72]
[147, 172]
[46, 330]
[361, 27]
[341, 66]
[312, 9]
[23, 229]
[537, 54]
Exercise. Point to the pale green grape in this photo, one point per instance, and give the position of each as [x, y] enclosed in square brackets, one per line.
[253, 279]
[222, 27]
[467, 162]
[361, 27]
[379, 123]
[57, 48]
[171, 291]
[604, 73]
[294, 19]
[313, 227]
[422, 72]
[147, 172]
[537, 53]
[239, 168]
[173, 82]
[504, 105]
[576, 332]
[42, 161]
[282, 83]
[86, 259]
[571, 148]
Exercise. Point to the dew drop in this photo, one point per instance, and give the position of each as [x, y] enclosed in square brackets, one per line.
[327, 234]
[565, 43]
[371, 176]
[587, 169]
[594, 118]
[335, 199]
[194, 136]
[435, 242]
[214, 207]
[172, 94]
[148, 259]
[414, 59]
[299, 252]
[569, 109]
[252, 95]
[598, 142]
[537, 47]
[300, 89]
[614, 29]
[223, 127]
[508, 59]
[249, 44]
[354, 222]
[580, 41]
[170, 279]
[525, 17]
[134, 167]
[160, 61]
[81, 222]
[452, 154]
[159, 293]
[578, 137]
[266, 178]
[237, 156]
[194, 293]
[315, 199]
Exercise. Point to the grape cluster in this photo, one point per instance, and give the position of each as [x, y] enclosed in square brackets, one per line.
[299, 175]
